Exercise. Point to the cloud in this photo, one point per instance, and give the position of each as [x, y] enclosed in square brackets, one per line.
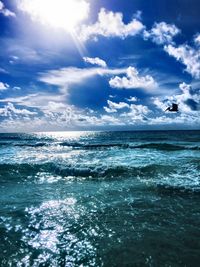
[159, 103]
[162, 33]
[111, 24]
[55, 106]
[6, 12]
[138, 15]
[187, 55]
[40, 101]
[137, 111]
[133, 80]
[72, 75]
[10, 110]
[16, 88]
[132, 99]
[113, 107]
[135, 114]
[3, 86]
[95, 61]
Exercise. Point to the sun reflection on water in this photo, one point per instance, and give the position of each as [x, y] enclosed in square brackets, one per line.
[50, 233]
[69, 135]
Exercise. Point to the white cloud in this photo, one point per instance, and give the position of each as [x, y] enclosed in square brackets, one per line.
[72, 75]
[6, 12]
[3, 86]
[113, 107]
[9, 110]
[162, 33]
[40, 100]
[159, 104]
[136, 111]
[95, 61]
[132, 99]
[55, 106]
[111, 24]
[188, 56]
[133, 80]
[136, 115]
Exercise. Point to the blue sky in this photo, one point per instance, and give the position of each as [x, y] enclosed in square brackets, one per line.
[99, 64]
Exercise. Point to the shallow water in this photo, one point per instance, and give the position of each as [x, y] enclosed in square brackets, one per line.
[100, 199]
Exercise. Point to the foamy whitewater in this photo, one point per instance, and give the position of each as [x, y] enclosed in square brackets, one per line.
[100, 199]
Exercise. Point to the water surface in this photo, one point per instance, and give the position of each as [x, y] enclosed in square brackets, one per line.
[100, 199]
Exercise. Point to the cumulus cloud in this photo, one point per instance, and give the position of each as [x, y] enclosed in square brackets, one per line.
[3, 86]
[110, 24]
[162, 105]
[187, 55]
[133, 80]
[162, 33]
[135, 113]
[95, 61]
[6, 12]
[10, 110]
[113, 107]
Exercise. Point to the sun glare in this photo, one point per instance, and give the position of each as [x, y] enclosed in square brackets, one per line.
[65, 14]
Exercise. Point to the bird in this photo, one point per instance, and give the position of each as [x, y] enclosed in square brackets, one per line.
[174, 108]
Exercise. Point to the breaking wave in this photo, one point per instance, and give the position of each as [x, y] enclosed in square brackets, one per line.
[156, 146]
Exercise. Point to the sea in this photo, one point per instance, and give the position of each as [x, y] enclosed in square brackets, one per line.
[100, 199]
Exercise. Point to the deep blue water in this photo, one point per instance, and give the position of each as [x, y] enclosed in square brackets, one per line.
[100, 199]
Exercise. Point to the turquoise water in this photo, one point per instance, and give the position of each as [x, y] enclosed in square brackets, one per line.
[100, 199]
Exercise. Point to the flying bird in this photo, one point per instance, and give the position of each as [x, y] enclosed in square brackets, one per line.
[174, 108]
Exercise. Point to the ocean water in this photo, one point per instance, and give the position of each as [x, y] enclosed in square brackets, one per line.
[100, 199]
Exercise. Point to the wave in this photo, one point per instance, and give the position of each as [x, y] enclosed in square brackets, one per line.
[39, 144]
[32, 145]
[93, 172]
[153, 175]
[156, 146]
[167, 146]
[95, 146]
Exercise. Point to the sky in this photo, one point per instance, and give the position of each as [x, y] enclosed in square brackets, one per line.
[99, 65]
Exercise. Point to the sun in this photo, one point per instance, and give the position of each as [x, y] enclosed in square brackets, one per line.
[64, 14]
